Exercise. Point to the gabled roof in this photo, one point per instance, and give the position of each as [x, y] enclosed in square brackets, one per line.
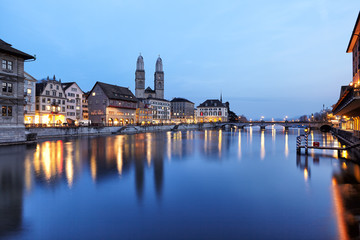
[180, 100]
[116, 92]
[29, 77]
[149, 90]
[41, 85]
[355, 35]
[212, 103]
[67, 85]
[6, 48]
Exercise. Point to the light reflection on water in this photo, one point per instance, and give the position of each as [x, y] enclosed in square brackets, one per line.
[188, 184]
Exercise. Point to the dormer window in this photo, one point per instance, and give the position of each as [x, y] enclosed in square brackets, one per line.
[51, 86]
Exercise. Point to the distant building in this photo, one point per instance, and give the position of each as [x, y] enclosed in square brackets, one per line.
[50, 103]
[29, 95]
[348, 105]
[74, 102]
[12, 93]
[211, 110]
[144, 113]
[160, 109]
[85, 110]
[182, 110]
[140, 91]
[111, 105]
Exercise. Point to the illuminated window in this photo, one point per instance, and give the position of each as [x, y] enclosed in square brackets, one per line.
[29, 90]
[93, 93]
[6, 110]
[47, 107]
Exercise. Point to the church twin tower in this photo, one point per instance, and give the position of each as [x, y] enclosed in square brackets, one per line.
[140, 91]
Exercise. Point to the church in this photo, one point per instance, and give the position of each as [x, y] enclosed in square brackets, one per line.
[151, 99]
[140, 91]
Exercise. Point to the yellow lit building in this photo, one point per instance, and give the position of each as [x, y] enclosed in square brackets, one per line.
[50, 103]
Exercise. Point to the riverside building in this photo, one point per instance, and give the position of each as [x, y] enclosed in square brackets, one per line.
[12, 93]
[74, 102]
[50, 103]
[348, 105]
[212, 110]
[111, 105]
[182, 110]
[29, 95]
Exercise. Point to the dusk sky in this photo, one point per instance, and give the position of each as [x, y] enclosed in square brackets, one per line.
[268, 58]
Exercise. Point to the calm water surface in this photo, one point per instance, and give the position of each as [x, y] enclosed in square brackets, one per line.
[213, 184]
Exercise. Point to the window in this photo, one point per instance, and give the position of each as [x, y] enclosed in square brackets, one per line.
[63, 101]
[48, 107]
[47, 93]
[7, 87]
[57, 87]
[6, 110]
[8, 65]
[60, 94]
[51, 86]
[29, 91]
[54, 93]
[93, 93]
[63, 109]
[43, 107]
[37, 106]
[48, 100]
[43, 100]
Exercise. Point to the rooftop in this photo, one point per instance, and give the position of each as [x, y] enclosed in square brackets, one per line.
[212, 103]
[354, 36]
[6, 48]
[116, 92]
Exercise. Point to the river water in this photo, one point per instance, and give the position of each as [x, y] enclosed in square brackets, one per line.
[212, 184]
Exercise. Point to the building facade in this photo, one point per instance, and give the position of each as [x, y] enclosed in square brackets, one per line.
[348, 105]
[12, 93]
[182, 110]
[74, 102]
[144, 113]
[160, 110]
[50, 103]
[111, 105]
[212, 110]
[29, 95]
[140, 91]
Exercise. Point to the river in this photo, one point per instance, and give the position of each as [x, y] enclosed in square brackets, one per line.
[211, 184]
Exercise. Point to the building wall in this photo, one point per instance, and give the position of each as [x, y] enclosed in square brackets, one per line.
[74, 99]
[182, 111]
[356, 63]
[211, 114]
[161, 110]
[29, 94]
[97, 102]
[12, 102]
[51, 104]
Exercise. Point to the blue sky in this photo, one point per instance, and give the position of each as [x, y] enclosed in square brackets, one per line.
[268, 58]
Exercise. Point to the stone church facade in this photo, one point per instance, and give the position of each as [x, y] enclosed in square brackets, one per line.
[140, 91]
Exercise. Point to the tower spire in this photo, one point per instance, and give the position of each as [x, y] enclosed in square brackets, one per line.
[221, 96]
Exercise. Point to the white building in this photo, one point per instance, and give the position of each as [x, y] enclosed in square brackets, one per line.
[29, 95]
[50, 103]
[212, 110]
[74, 101]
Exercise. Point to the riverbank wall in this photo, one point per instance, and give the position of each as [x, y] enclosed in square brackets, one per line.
[348, 137]
[84, 131]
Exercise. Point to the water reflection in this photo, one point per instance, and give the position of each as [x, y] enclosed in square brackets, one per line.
[262, 142]
[11, 188]
[123, 174]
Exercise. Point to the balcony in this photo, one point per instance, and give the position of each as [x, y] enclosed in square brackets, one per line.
[349, 103]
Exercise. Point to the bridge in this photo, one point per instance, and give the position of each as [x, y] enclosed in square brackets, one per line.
[264, 124]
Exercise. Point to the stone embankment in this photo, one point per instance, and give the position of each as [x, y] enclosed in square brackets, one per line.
[83, 131]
